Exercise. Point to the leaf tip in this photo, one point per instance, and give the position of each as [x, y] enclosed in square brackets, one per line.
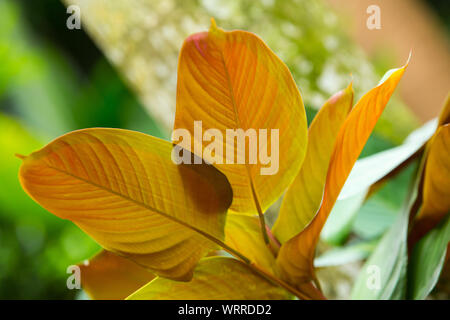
[20, 156]
[409, 59]
[213, 26]
[216, 31]
[350, 86]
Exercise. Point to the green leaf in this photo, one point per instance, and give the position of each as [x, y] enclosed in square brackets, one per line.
[383, 276]
[427, 260]
[344, 255]
[340, 221]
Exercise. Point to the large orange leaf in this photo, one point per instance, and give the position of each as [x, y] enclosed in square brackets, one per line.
[216, 278]
[303, 197]
[436, 184]
[232, 80]
[122, 188]
[108, 276]
[295, 260]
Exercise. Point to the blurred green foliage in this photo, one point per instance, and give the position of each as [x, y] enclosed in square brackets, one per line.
[43, 94]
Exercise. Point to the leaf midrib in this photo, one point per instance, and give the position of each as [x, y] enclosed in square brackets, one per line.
[237, 121]
[145, 206]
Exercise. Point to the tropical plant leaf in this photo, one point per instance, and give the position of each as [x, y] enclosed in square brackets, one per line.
[343, 255]
[305, 194]
[295, 260]
[383, 276]
[436, 184]
[423, 133]
[215, 278]
[243, 234]
[340, 221]
[122, 188]
[232, 80]
[367, 175]
[427, 260]
[108, 276]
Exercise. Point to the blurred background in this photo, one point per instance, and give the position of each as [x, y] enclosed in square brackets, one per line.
[119, 70]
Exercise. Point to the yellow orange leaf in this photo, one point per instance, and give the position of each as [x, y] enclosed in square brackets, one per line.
[216, 278]
[436, 183]
[243, 234]
[122, 188]
[108, 276]
[303, 197]
[295, 260]
[232, 80]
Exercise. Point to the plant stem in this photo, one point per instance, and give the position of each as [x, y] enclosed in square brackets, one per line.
[238, 124]
[277, 281]
[262, 222]
[263, 227]
[268, 276]
[317, 283]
